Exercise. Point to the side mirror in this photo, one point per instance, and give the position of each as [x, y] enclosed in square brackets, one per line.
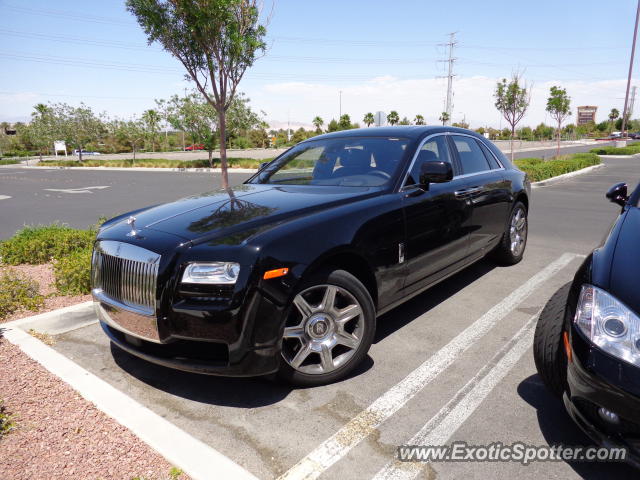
[618, 194]
[435, 172]
[263, 164]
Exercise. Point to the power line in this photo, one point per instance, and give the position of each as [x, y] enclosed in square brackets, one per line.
[68, 15]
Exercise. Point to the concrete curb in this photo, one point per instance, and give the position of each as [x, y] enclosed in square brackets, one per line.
[57, 321]
[560, 178]
[194, 457]
[142, 169]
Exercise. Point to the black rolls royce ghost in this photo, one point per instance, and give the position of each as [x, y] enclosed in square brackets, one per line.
[587, 341]
[287, 272]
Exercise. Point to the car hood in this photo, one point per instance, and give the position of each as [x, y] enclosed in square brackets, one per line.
[243, 207]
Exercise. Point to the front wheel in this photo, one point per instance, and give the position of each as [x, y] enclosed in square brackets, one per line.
[514, 240]
[329, 329]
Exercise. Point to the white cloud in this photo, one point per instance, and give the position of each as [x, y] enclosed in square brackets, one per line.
[473, 99]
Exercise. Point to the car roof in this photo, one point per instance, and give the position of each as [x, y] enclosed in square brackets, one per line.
[405, 131]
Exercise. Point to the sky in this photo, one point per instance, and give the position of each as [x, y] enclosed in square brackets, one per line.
[373, 55]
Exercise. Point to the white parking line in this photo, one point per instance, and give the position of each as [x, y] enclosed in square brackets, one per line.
[195, 458]
[4, 197]
[357, 429]
[448, 420]
[77, 190]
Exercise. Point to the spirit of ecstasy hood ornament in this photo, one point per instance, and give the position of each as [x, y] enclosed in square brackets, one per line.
[132, 221]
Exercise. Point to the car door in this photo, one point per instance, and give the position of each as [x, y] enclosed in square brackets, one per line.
[482, 185]
[436, 220]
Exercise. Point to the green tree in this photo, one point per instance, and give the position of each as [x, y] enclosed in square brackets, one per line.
[318, 122]
[404, 121]
[444, 118]
[419, 120]
[460, 124]
[393, 118]
[559, 107]
[614, 114]
[41, 129]
[162, 107]
[194, 115]
[215, 40]
[369, 119]
[77, 126]
[512, 101]
[240, 118]
[333, 126]
[151, 121]
[345, 122]
[129, 132]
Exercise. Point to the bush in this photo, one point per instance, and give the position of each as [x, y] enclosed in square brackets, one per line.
[9, 161]
[17, 292]
[628, 150]
[538, 169]
[155, 163]
[73, 273]
[40, 244]
[6, 422]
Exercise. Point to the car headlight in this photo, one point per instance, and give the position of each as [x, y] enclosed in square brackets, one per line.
[212, 273]
[609, 324]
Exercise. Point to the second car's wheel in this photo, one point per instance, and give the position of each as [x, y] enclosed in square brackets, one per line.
[329, 329]
[548, 344]
[514, 240]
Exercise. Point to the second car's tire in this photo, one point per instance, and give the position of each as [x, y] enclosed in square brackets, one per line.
[548, 345]
[514, 240]
[329, 329]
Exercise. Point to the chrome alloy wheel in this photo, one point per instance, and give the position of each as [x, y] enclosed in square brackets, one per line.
[518, 231]
[323, 331]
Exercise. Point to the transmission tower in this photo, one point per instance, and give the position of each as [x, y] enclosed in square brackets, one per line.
[449, 99]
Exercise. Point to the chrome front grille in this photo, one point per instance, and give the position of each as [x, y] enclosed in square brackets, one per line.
[126, 274]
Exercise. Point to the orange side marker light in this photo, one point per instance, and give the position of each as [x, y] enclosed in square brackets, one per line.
[278, 272]
[567, 346]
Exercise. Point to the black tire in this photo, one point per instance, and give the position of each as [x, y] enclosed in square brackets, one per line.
[548, 345]
[346, 281]
[503, 254]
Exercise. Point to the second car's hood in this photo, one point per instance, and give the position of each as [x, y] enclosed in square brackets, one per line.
[242, 207]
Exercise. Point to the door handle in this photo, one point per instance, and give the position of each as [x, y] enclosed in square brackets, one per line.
[467, 191]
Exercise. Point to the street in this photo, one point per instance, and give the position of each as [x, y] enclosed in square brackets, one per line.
[452, 364]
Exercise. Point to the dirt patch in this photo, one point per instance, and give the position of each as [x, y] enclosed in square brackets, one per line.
[59, 435]
[43, 275]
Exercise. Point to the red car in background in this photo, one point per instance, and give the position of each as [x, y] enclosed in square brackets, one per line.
[195, 146]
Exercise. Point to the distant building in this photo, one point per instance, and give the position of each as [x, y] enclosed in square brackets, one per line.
[586, 114]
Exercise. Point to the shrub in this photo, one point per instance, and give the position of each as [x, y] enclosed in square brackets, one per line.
[628, 150]
[9, 161]
[233, 162]
[73, 273]
[17, 292]
[541, 170]
[6, 421]
[40, 244]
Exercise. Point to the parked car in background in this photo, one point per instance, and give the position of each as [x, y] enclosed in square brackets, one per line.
[196, 146]
[289, 271]
[587, 341]
[85, 152]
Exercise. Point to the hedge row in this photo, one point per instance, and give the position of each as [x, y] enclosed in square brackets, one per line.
[153, 163]
[539, 169]
[628, 150]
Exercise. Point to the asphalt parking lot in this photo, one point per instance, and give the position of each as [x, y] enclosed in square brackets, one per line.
[454, 363]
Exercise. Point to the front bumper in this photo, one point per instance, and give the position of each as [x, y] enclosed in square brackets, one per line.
[596, 380]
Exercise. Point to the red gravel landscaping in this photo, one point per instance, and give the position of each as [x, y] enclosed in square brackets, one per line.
[59, 435]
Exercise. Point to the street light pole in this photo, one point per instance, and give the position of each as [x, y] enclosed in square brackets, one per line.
[633, 51]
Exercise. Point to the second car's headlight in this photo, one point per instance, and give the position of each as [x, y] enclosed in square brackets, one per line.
[609, 324]
[211, 272]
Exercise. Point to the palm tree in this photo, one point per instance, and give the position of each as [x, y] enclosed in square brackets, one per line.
[318, 122]
[615, 113]
[369, 119]
[444, 118]
[393, 118]
[419, 120]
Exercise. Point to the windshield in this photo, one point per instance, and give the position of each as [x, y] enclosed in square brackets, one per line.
[346, 161]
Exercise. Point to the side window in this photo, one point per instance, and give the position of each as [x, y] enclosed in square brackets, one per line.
[471, 156]
[435, 149]
[489, 156]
